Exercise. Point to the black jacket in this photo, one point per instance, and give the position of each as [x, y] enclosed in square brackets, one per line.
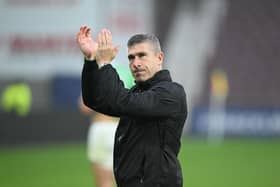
[152, 115]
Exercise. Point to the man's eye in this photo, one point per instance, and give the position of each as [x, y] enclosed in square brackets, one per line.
[131, 57]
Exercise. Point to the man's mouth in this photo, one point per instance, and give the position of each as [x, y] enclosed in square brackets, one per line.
[139, 71]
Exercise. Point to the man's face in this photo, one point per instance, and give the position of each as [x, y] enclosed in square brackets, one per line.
[144, 62]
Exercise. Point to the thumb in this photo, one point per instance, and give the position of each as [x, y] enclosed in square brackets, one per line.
[116, 50]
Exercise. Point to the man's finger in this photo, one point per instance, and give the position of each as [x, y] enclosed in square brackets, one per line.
[99, 40]
[110, 35]
[79, 36]
[108, 38]
[82, 28]
[87, 32]
[116, 50]
[103, 37]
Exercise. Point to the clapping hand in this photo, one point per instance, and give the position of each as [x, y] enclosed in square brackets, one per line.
[87, 45]
[106, 52]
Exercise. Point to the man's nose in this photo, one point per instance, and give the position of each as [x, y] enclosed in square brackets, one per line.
[137, 62]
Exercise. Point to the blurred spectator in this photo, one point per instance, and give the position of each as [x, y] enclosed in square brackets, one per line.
[100, 145]
[17, 98]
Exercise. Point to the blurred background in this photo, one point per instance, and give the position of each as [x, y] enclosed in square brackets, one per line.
[226, 54]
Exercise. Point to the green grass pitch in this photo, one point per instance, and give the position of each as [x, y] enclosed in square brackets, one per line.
[234, 163]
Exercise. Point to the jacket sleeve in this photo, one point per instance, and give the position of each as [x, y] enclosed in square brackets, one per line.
[104, 92]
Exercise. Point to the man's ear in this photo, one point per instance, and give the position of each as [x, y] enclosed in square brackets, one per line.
[160, 57]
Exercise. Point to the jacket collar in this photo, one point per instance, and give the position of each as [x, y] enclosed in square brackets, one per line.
[162, 75]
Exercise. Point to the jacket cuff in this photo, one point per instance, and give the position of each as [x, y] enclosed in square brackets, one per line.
[91, 63]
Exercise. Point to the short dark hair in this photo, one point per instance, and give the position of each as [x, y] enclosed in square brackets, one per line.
[141, 38]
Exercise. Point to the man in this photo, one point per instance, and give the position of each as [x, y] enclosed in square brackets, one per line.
[152, 113]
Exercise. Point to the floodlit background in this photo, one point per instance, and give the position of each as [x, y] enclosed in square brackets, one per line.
[226, 53]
